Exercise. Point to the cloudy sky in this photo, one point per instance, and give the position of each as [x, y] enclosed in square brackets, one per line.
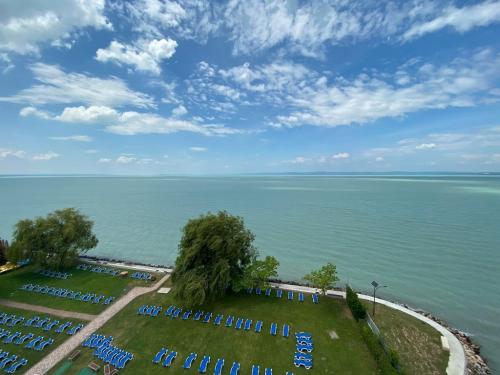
[159, 86]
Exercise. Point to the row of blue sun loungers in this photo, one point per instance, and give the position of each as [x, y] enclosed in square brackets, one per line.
[17, 338]
[67, 293]
[166, 358]
[149, 310]
[279, 294]
[304, 347]
[98, 269]
[10, 364]
[55, 274]
[46, 323]
[105, 351]
[142, 276]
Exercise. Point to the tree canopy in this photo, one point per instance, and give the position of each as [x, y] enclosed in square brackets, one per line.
[214, 251]
[4, 246]
[324, 278]
[54, 241]
[258, 273]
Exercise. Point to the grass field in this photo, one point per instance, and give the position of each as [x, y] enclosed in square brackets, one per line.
[32, 356]
[417, 343]
[83, 281]
[144, 336]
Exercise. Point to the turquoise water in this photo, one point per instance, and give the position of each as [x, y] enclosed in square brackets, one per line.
[435, 241]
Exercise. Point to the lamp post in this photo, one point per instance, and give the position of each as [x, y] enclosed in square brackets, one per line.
[376, 286]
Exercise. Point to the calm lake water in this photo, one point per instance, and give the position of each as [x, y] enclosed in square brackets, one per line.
[435, 241]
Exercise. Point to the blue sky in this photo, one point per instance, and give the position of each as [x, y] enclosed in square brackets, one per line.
[199, 87]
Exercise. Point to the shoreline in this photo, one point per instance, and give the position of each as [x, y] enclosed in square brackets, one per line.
[475, 364]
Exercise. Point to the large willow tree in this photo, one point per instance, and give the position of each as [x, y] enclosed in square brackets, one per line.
[214, 251]
[54, 241]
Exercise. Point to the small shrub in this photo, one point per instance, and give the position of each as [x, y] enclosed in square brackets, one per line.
[374, 345]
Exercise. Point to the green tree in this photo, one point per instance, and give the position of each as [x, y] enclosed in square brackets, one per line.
[258, 273]
[214, 251]
[324, 278]
[54, 241]
[4, 247]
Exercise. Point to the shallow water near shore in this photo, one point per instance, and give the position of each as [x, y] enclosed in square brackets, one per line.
[435, 241]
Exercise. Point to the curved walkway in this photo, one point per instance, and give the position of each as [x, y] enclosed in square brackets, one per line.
[66, 348]
[457, 363]
[47, 310]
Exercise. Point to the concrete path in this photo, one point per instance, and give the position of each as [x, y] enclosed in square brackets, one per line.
[47, 310]
[66, 348]
[457, 363]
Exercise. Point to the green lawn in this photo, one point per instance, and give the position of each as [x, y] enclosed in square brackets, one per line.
[83, 281]
[32, 356]
[417, 343]
[144, 336]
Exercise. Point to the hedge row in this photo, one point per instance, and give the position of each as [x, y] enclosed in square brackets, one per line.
[357, 308]
[387, 363]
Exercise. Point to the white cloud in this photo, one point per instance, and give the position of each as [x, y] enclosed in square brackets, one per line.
[143, 55]
[379, 158]
[198, 149]
[341, 155]
[7, 62]
[461, 19]
[76, 138]
[460, 83]
[26, 25]
[47, 156]
[179, 111]
[104, 160]
[125, 159]
[32, 111]
[92, 114]
[58, 87]
[91, 151]
[425, 146]
[5, 152]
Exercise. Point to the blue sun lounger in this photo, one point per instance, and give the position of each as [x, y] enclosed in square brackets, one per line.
[156, 311]
[229, 321]
[187, 314]
[290, 295]
[218, 366]
[189, 360]
[258, 326]
[169, 359]
[13, 368]
[255, 370]
[304, 348]
[301, 297]
[170, 310]
[239, 323]
[218, 319]
[124, 360]
[303, 335]
[248, 324]
[279, 293]
[31, 321]
[14, 336]
[274, 329]
[63, 326]
[268, 371]
[176, 313]
[51, 325]
[258, 291]
[235, 368]
[289, 373]
[302, 362]
[8, 360]
[268, 292]
[44, 344]
[249, 290]
[304, 340]
[158, 357]
[75, 329]
[300, 355]
[315, 298]
[33, 342]
[286, 330]
[23, 338]
[198, 315]
[204, 364]
[207, 317]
